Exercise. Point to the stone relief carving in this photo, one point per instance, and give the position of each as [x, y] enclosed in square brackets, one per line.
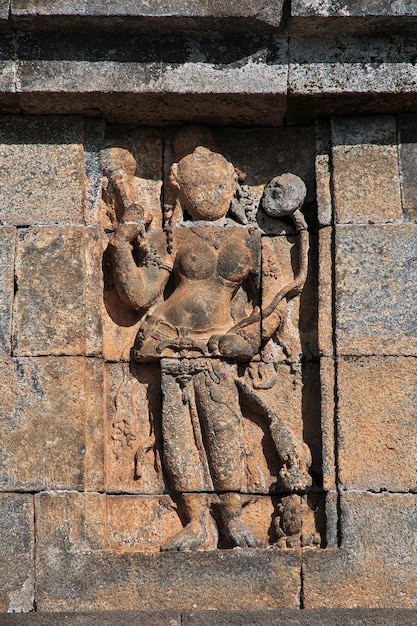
[208, 289]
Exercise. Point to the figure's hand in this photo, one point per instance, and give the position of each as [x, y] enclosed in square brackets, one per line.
[230, 345]
[127, 232]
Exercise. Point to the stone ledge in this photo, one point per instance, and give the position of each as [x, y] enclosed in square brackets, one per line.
[166, 15]
[268, 617]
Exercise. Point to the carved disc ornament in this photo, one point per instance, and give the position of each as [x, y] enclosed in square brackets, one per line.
[206, 318]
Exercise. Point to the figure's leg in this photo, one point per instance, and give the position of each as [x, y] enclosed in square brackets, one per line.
[218, 406]
[185, 462]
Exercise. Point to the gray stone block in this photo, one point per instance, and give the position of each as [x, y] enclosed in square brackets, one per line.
[374, 568]
[7, 251]
[343, 72]
[168, 14]
[42, 164]
[147, 79]
[366, 177]
[99, 618]
[408, 163]
[16, 553]
[95, 581]
[376, 289]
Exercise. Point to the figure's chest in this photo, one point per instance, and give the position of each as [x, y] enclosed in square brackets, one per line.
[205, 252]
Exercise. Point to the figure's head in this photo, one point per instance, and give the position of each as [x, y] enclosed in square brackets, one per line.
[283, 195]
[204, 182]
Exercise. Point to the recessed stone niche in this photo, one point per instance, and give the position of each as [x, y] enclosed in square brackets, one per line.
[189, 417]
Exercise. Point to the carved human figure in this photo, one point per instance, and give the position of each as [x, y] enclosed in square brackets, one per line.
[197, 285]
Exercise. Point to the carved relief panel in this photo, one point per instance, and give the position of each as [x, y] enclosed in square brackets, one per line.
[210, 406]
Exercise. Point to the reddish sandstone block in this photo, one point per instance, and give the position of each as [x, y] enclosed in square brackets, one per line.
[377, 428]
[59, 291]
[51, 424]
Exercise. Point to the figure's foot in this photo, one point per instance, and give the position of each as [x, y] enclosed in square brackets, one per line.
[295, 479]
[241, 536]
[194, 536]
[294, 474]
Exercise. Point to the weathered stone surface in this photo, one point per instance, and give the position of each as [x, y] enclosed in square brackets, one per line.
[365, 8]
[371, 569]
[88, 559]
[152, 617]
[250, 71]
[133, 429]
[343, 72]
[51, 424]
[375, 289]
[327, 394]
[16, 553]
[248, 14]
[4, 9]
[291, 617]
[325, 292]
[408, 163]
[365, 170]
[42, 170]
[236, 579]
[7, 248]
[323, 174]
[377, 426]
[58, 299]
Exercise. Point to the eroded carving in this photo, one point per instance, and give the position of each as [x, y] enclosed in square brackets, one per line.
[210, 295]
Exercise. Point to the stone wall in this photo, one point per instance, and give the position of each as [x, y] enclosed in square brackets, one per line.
[318, 89]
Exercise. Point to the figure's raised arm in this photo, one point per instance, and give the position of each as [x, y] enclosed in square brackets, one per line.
[139, 285]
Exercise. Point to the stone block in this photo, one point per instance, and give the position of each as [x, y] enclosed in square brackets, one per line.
[197, 84]
[291, 617]
[17, 575]
[327, 394]
[133, 429]
[7, 248]
[51, 424]
[237, 579]
[365, 170]
[408, 163]
[376, 565]
[42, 170]
[325, 292]
[376, 289]
[377, 426]
[4, 10]
[151, 617]
[195, 14]
[336, 72]
[94, 130]
[59, 291]
[323, 174]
